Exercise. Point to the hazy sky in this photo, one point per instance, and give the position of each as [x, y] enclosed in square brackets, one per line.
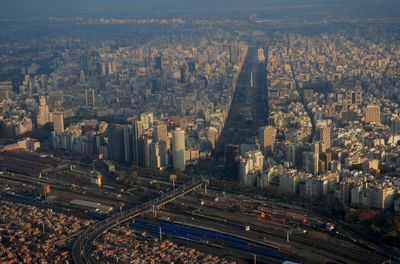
[202, 8]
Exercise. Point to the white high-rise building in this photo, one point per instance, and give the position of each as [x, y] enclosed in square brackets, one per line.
[250, 167]
[178, 149]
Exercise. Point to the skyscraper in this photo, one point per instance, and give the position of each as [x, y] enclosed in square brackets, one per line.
[116, 150]
[395, 125]
[234, 52]
[155, 155]
[161, 134]
[324, 136]
[137, 132]
[267, 136]
[192, 66]
[43, 116]
[84, 63]
[90, 97]
[178, 149]
[127, 133]
[183, 74]
[144, 151]
[372, 114]
[58, 121]
[158, 63]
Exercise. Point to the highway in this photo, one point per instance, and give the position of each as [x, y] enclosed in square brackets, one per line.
[81, 249]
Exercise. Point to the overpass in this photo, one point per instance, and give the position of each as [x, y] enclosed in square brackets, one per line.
[81, 248]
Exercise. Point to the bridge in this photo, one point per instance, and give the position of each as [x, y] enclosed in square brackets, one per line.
[81, 248]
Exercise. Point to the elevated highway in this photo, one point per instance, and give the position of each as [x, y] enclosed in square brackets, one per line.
[81, 249]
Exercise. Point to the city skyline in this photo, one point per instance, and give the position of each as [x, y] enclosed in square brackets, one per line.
[199, 132]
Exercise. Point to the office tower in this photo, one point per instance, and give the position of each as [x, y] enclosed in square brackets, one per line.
[58, 121]
[192, 66]
[311, 162]
[127, 132]
[90, 97]
[324, 136]
[116, 148]
[161, 133]
[234, 52]
[137, 133]
[315, 149]
[101, 83]
[155, 155]
[43, 116]
[158, 63]
[111, 67]
[82, 77]
[147, 119]
[395, 125]
[164, 157]
[267, 136]
[178, 149]
[372, 114]
[103, 68]
[183, 74]
[16, 84]
[144, 151]
[139, 54]
[84, 63]
[5, 90]
[203, 42]
[43, 81]
[155, 86]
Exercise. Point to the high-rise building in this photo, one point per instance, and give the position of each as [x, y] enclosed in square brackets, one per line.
[324, 136]
[5, 90]
[267, 136]
[58, 122]
[155, 155]
[234, 52]
[161, 134]
[395, 125]
[44, 115]
[16, 84]
[183, 74]
[372, 114]
[137, 133]
[178, 149]
[84, 63]
[90, 97]
[158, 63]
[311, 162]
[127, 133]
[116, 149]
[192, 66]
[251, 165]
[144, 151]
[147, 119]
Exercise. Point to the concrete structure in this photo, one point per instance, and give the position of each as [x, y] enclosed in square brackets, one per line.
[267, 136]
[58, 121]
[372, 114]
[251, 165]
[178, 149]
[43, 115]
